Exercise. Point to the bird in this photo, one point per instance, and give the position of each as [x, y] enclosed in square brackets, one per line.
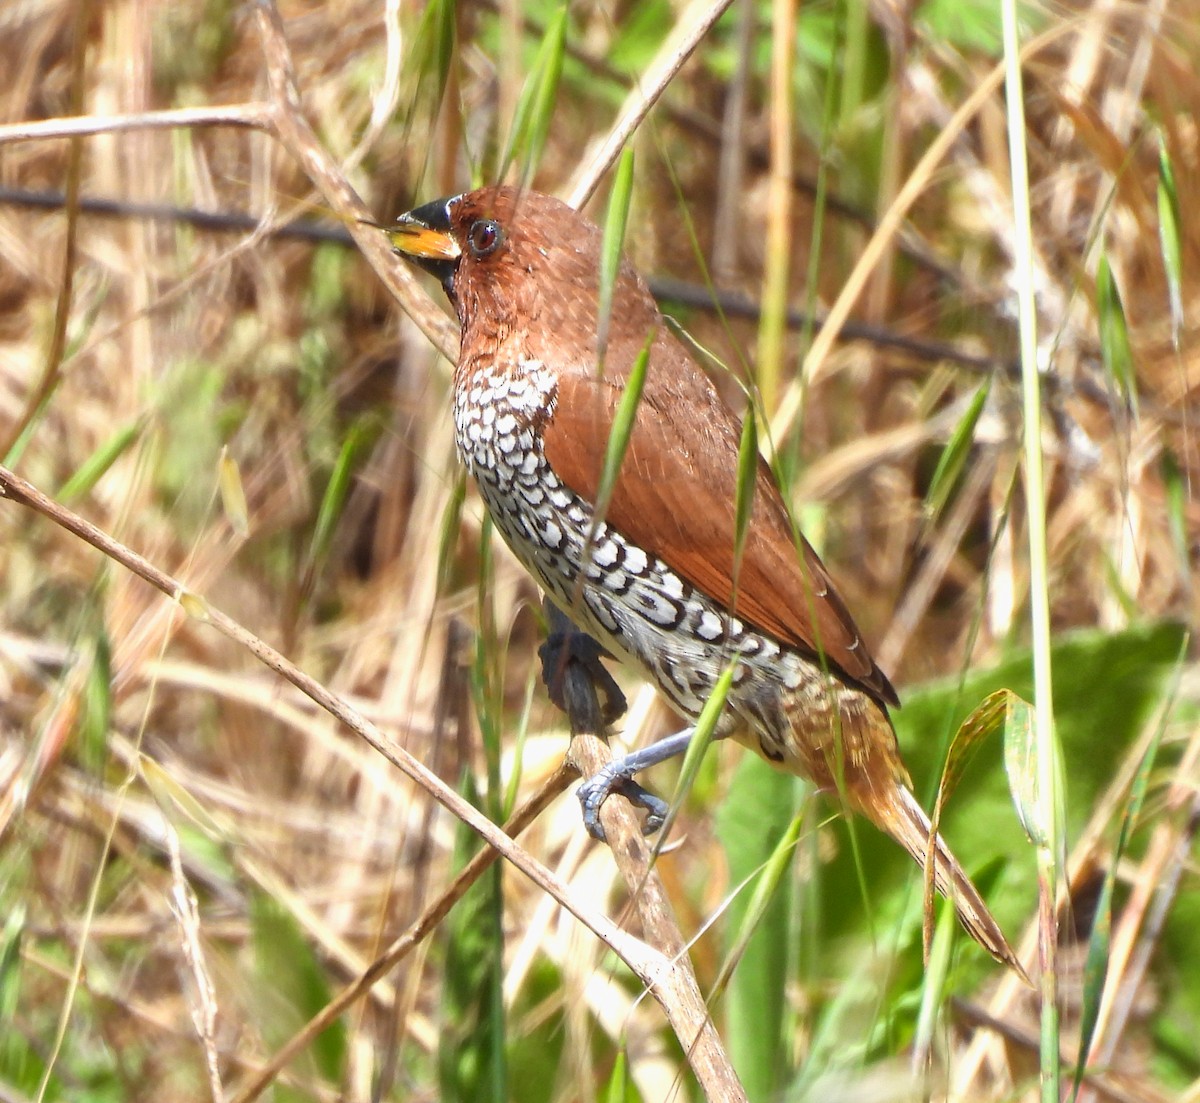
[658, 578]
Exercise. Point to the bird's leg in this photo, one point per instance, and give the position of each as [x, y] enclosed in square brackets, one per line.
[572, 672]
[565, 644]
[617, 776]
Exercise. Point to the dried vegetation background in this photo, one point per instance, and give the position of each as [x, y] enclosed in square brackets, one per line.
[194, 857]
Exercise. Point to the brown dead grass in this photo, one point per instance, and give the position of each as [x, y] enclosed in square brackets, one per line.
[200, 341]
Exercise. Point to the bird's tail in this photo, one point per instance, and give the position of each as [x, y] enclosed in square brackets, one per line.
[908, 824]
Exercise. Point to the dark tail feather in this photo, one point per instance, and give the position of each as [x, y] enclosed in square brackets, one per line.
[909, 826]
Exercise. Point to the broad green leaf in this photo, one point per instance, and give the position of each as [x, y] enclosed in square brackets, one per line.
[1095, 969]
[758, 826]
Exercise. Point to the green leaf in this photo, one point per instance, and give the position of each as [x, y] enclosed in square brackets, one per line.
[1175, 486]
[448, 530]
[1002, 711]
[758, 829]
[702, 736]
[433, 46]
[1095, 969]
[1020, 763]
[620, 1087]
[97, 707]
[358, 442]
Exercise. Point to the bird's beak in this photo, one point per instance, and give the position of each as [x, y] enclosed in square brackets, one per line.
[423, 235]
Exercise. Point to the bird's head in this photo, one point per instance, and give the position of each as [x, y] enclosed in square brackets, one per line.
[520, 262]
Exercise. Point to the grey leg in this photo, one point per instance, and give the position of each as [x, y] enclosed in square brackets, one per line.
[617, 777]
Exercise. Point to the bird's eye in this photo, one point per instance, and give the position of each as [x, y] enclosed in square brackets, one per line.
[484, 237]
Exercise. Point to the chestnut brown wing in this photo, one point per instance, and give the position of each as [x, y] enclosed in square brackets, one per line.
[675, 498]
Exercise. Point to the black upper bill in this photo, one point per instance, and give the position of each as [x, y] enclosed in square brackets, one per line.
[423, 235]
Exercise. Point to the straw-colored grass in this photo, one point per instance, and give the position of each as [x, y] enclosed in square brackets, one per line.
[195, 858]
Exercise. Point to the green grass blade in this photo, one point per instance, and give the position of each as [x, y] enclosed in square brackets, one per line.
[535, 107]
[705, 728]
[937, 970]
[472, 1061]
[19, 1066]
[433, 46]
[1046, 750]
[1115, 349]
[361, 436]
[990, 717]
[1176, 494]
[613, 243]
[93, 469]
[954, 456]
[97, 707]
[622, 430]
[1169, 240]
[759, 836]
[294, 988]
[620, 1087]
[743, 501]
[1021, 766]
[449, 528]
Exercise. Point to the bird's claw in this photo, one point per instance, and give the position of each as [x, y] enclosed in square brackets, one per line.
[568, 646]
[612, 779]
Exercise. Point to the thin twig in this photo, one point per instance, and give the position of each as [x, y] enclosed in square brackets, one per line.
[255, 116]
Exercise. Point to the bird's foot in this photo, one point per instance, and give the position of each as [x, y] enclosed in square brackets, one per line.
[566, 645]
[616, 777]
